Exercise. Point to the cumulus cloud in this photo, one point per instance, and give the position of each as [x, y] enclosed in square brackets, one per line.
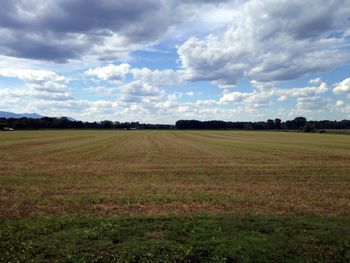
[270, 41]
[138, 91]
[109, 72]
[30, 75]
[316, 81]
[101, 90]
[317, 103]
[339, 103]
[170, 102]
[234, 97]
[261, 98]
[302, 92]
[167, 77]
[6, 93]
[342, 87]
[42, 84]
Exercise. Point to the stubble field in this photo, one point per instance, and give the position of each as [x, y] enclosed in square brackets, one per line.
[173, 175]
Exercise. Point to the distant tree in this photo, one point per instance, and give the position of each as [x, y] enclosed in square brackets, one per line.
[61, 123]
[299, 123]
[308, 127]
[78, 125]
[284, 126]
[106, 124]
[248, 126]
[18, 125]
[260, 125]
[278, 124]
[270, 124]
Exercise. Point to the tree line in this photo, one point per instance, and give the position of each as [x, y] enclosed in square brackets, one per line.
[66, 123]
[299, 123]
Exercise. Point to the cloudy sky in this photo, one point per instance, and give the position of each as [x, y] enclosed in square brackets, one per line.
[159, 61]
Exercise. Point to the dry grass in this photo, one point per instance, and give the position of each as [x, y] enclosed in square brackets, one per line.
[45, 173]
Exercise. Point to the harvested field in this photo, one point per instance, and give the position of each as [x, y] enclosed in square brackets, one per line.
[152, 173]
[174, 196]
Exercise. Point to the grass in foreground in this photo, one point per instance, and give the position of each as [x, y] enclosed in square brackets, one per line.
[177, 239]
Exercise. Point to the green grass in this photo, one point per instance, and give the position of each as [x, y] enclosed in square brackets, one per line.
[174, 239]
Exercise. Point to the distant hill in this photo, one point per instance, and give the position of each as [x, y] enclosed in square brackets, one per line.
[7, 114]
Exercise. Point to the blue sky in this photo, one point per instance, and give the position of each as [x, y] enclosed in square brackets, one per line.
[158, 61]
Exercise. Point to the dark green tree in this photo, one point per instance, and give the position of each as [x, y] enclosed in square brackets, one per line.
[308, 127]
[270, 124]
[278, 124]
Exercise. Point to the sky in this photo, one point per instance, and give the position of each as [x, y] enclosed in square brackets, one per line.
[158, 61]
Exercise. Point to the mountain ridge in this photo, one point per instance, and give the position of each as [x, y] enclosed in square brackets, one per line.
[8, 114]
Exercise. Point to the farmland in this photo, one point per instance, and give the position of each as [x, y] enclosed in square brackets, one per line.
[114, 177]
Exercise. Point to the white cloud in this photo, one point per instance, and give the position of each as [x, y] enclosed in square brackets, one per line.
[101, 90]
[342, 87]
[339, 103]
[234, 97]
[303, 92]
[12, 93]
[114, 74]
[316, 81]
[261, 98]
[109, 72]
[42, 84]
[170, 103]
[32, 76]
[283, 98]
[270, 40]
[208, 102]
[157, 77]
[137, 91]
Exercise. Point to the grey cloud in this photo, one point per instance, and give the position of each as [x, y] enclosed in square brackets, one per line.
[25, 47]
[137, 20]
[59, 30]
[51, 31]
[312, 103]
[272, 40]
